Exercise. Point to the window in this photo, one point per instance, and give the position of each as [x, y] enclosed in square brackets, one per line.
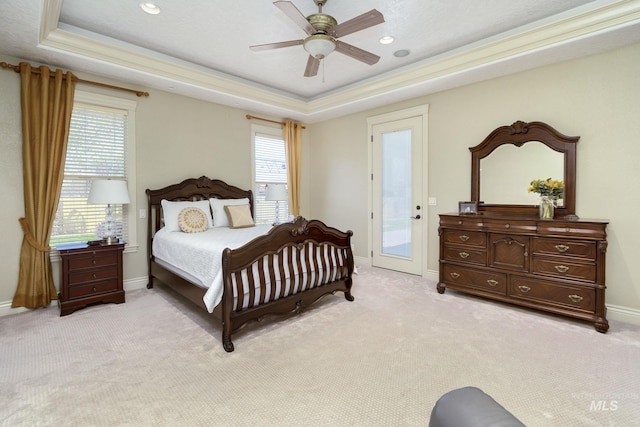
[270, 167]
[100, 146]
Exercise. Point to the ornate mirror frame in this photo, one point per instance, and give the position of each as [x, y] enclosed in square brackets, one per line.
[518, 134]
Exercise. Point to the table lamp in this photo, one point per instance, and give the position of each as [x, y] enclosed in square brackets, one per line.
[276, 193]
[108, 191]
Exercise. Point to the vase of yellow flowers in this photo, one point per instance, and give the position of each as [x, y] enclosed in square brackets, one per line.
[550, 190]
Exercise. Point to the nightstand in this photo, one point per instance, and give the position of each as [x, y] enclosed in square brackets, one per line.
[90, 274]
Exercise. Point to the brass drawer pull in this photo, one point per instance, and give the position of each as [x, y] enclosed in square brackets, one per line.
[575, 298]
[524, 289]
[492, 282]
[562, 268]
[94, 276]
[464, 237]
[454, 275]
[93, 262]
[463, 255]
[94, 289]
[562, 248]
[507, 226]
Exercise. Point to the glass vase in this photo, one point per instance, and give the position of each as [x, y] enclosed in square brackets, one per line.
[547, 206]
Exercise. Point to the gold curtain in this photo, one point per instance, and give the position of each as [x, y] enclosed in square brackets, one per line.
[293, 142]
[47, 103]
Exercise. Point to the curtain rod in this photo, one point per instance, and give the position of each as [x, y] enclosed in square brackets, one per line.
[138, 93]
[249, 117]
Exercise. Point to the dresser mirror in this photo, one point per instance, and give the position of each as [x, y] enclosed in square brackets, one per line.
[504, 164]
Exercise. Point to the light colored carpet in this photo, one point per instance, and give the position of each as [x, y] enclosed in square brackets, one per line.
[382, 360]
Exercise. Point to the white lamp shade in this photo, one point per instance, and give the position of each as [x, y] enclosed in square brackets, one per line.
[276, 192]
[108, 191]
[319, 45]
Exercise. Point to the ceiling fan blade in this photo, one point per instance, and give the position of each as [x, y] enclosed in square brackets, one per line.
[366, 20]
[356, 53]
[313, 64]
[296, 16]
[277, 45]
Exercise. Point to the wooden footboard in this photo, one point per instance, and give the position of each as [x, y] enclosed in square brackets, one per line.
[284, 271]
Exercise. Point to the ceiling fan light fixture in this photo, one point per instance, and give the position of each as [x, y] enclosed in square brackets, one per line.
[150, 8]
[319, 45]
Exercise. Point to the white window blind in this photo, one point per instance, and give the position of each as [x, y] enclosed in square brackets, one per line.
[97, 148]
[270, 168]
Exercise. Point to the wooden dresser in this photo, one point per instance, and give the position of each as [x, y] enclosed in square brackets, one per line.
[556, 266]
[90, 274]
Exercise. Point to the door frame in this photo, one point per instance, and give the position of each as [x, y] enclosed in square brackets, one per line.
[421, 111]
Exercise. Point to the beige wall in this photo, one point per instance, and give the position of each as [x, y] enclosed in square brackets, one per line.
[179, 137]
[176, 138]
[594, 97]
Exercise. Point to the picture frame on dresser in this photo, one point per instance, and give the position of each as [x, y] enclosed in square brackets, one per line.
[467, 208]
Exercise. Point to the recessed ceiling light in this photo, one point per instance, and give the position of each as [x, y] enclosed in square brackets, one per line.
[150, 8]
[401, 53]
[386, 40]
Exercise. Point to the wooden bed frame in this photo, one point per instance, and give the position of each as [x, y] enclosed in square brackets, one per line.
[313, 235]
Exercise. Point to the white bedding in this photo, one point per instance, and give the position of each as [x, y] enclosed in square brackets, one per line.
[201, 254]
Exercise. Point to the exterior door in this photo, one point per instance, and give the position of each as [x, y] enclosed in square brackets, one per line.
[398, 213]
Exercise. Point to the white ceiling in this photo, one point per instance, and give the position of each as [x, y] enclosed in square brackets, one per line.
[200, 48]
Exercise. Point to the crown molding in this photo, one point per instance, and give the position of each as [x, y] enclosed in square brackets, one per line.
[559, 30]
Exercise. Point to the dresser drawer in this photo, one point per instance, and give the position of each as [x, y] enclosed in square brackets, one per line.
[93, 288]
[510, 226]
[593, 230]
[573, 248]
[465, 254]
[459, 221]
[575, 297]
[90, 260]
[485, 280]
[84, 276]
[565, 268]
[472, 238]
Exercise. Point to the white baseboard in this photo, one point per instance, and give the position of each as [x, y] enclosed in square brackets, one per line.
[614, 312]
[133, 284]
[623, 314]
[128, 285]
[363, 261]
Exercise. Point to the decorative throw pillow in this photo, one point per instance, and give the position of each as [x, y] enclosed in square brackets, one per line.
[171, 210]
[192, 220]
[220, 218]
[239, 216]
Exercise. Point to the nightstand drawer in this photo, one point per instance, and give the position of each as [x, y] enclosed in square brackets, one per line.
[80, 277]
[90, 260]
[93, 288]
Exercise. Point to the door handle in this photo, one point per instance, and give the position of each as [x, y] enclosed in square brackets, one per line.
[416, 217]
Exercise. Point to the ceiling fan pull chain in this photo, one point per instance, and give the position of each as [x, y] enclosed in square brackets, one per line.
[322, 70]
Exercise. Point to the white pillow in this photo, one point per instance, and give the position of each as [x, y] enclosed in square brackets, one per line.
[220, 218]
[171, 210]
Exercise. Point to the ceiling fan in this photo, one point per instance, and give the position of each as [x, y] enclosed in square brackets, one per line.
[322, 34]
